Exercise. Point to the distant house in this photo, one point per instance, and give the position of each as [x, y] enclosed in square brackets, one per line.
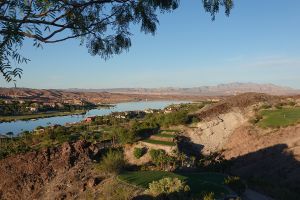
[21, 101]
[7, 101]
[68, 101]
[60, 105]
[120, 116]
[33, 109]
[169, 110]
[39, 130]
[49, 104]
[90, 119]
[78, 102]
[3, 139]
[148, 111]
[129, 114]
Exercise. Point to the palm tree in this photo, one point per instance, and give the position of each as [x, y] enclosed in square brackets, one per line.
[193, 159]
[182, 157]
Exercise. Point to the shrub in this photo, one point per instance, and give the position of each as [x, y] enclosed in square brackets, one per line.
[236, 184]
[138, 152]
[291, 103]
[113, 162]
[209, 196]
[194, 119]
[168, 186]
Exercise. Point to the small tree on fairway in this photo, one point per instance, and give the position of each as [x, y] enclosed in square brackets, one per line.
[168, 186]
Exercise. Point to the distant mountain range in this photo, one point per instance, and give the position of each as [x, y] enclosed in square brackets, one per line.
[219, 90]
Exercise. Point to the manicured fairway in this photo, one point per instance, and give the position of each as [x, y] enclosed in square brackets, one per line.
[198, 182]
[143, 178]
[280, 118]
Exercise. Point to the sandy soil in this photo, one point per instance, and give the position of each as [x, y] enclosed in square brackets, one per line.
[247, 139]
[129, 157]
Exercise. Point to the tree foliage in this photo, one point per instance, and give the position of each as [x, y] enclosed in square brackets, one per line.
[112, 163]
[103, 25]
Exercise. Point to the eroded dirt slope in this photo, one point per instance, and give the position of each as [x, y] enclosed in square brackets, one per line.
[213, 134]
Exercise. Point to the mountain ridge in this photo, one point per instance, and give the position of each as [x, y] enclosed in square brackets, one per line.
[226, 89]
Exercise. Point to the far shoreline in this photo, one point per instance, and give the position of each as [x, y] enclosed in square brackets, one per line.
[7, 119]
[36, 116]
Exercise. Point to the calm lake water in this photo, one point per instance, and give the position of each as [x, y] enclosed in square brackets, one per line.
[19, 126]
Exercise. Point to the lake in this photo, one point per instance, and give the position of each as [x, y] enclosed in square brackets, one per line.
[20, 126]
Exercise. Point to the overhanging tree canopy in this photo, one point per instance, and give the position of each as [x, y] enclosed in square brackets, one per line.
[103, 25]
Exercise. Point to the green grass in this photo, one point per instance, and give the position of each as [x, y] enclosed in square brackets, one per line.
[279, 118]
[165, 135]
[166, 143]
[198, 182]
[39, 115]
[161, 131]
[143, 178]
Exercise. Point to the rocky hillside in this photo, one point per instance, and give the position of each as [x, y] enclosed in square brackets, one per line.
[52, 173]
[268, 158]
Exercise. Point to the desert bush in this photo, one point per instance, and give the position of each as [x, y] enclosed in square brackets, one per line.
[167, 186]
[266, 106]
[236, 184]
[279, 106]
[291, 103]
[256, 119]
[112, 163]
[138, 152]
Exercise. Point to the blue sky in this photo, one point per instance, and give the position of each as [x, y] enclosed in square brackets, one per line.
[259, 42]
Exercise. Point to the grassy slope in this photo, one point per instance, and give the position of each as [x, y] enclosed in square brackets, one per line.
[166, 143]
[39, 115]
[165, 135]
[282, 117]
[199, 182]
